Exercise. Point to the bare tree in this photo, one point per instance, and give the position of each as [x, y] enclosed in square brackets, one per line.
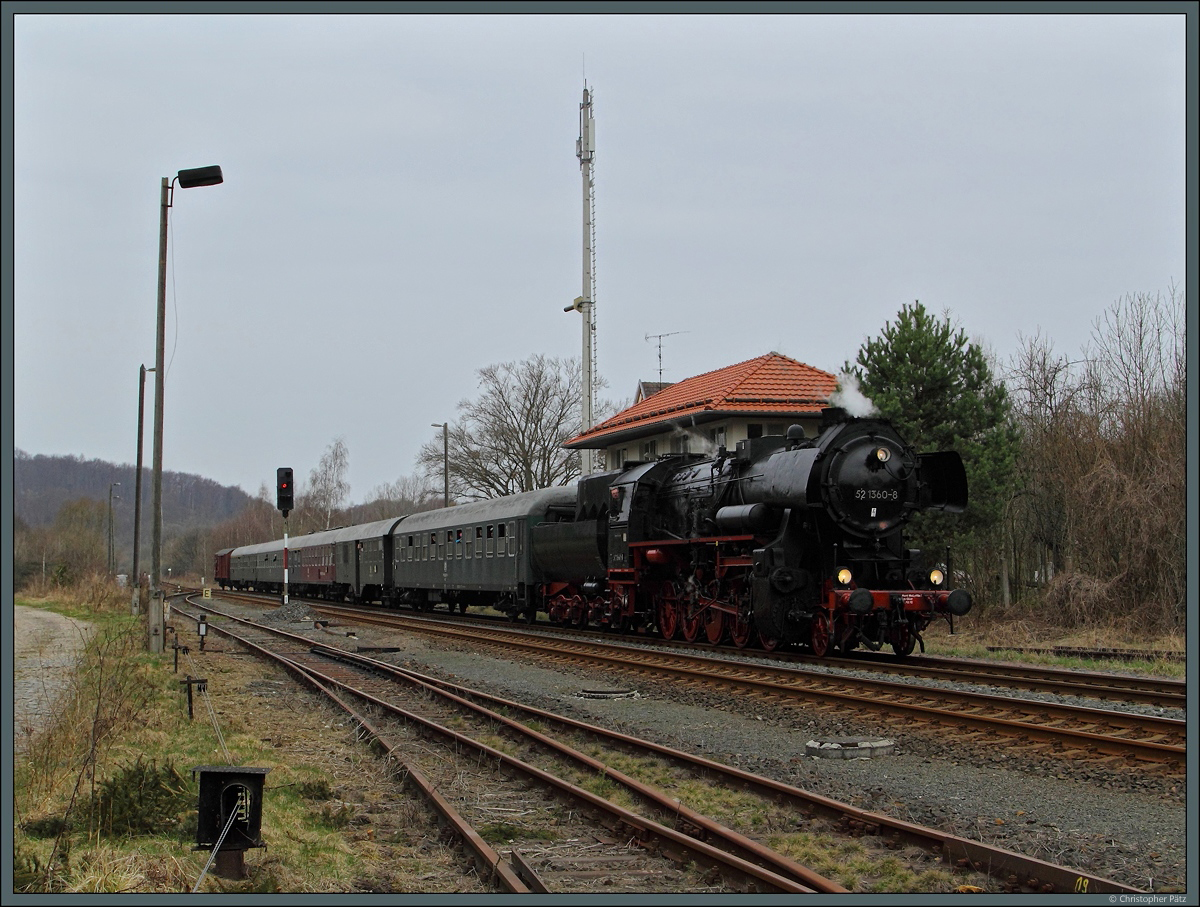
[1099, 519]
[408, 494]
[327, 481]
[509, 439]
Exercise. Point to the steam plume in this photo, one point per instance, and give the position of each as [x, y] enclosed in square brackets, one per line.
[851, 399]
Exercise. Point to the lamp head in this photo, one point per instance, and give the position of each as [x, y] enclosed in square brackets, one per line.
[200, 176]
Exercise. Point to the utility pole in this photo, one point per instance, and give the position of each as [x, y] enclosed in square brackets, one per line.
[112, 551]
[445, 427]
[135, 605]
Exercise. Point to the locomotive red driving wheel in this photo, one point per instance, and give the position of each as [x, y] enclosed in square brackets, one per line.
[714, 625]
[822, 633]
[741, 629]
[691, 623]
[668, 611]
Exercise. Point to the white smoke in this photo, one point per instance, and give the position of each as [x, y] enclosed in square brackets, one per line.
[698, 442]
[851, 399]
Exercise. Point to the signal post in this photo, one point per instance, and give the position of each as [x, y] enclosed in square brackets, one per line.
[284, 500]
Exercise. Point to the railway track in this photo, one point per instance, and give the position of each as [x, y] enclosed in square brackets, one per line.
[1072, 731]
[1161, 692]
[676, 832]
[1156, 691]
[741, 863]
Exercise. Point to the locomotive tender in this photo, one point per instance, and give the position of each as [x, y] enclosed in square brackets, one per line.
[785, 540]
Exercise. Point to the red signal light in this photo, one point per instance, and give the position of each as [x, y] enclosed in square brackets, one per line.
[283, 489]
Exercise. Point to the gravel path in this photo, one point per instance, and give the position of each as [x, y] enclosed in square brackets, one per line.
[46, 647]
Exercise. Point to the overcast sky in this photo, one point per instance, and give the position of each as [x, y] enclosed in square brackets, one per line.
[402, 206]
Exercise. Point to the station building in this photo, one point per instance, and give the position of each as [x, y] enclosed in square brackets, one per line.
[761, 396]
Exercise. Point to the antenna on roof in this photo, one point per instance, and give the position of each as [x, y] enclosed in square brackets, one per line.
[659, 338]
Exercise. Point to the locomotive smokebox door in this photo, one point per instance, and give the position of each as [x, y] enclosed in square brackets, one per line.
[230, 812]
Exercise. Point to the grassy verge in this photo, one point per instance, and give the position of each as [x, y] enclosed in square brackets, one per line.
[975, 633]
[105, 799]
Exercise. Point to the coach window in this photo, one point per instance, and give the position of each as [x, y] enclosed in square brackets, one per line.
[469, 542]
[491, 541]
[479, 541]
[458, 543]
[512, 539]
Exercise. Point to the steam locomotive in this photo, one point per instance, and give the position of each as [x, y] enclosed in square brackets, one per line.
[785, 540]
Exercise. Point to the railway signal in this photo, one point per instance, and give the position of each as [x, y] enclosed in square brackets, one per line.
[283, 489]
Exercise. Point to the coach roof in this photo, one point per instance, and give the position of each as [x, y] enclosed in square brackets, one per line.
[525, 504]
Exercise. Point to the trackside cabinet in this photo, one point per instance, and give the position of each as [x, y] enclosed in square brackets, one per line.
[230, 814]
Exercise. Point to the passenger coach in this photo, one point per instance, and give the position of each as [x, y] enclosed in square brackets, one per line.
[475, 554]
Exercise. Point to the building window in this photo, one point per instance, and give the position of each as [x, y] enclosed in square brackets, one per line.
[717, 436]
[649, 450]
[754, 430]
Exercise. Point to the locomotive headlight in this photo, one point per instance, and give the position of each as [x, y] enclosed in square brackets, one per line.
[882, 454]
[936, 577]
[844, 576]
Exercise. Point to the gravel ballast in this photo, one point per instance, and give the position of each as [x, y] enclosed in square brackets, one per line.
[1129, 828]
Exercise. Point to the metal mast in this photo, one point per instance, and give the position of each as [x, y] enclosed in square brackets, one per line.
[585, 150]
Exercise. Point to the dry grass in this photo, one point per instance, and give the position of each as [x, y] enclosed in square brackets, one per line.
[334, 817]
[1020, 628]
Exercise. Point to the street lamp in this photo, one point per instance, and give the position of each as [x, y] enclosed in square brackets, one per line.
[188, 179]
[112, 555]
[445, 427]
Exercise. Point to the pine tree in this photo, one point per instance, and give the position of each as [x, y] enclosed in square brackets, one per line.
[939, 391]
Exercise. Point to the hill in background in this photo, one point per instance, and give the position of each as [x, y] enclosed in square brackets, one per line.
[41, 485]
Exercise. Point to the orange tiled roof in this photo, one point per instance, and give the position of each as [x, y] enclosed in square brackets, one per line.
[767, 385]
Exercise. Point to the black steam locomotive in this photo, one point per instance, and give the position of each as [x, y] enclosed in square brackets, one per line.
[785, 540]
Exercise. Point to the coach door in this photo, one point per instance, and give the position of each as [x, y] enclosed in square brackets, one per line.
[358, 558]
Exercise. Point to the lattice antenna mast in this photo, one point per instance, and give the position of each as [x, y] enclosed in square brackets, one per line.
[585, 150]
[659, 338]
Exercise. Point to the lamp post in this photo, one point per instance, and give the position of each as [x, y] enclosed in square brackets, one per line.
[445, 427]
[135, 605]
[112, 556]
[201, 176]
